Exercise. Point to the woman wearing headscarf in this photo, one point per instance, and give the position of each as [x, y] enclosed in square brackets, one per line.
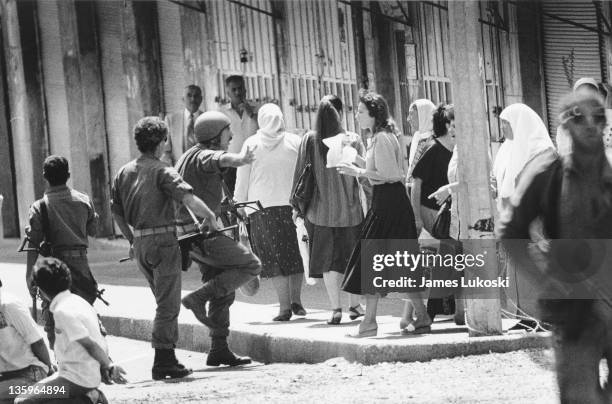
[526, 138]
[421, 124]
[269, 179]
[334, 215]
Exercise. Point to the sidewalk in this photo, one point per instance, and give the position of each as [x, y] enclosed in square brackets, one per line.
[308, 339]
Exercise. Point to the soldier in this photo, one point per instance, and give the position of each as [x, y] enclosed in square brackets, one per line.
[225, 264]
[64, 218]
[143, 196]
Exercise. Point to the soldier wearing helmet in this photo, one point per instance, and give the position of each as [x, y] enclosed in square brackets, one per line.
[226, 264]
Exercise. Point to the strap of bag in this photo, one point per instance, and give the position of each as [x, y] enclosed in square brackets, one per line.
[45, 218]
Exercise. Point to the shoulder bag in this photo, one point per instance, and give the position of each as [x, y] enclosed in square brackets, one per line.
[441, 226]
[304, 188]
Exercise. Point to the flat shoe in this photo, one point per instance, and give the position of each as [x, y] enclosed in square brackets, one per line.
[336, 317]
[412, 330]
[284, 315]
[298, 309]
[364, 334]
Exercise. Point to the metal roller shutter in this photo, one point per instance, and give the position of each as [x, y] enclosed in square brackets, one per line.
[559, 39]
[114, 84]
[171, 45]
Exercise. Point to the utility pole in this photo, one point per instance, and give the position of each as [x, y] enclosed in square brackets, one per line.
[474, 165]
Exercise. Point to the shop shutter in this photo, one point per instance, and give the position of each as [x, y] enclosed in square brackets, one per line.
[559, 40]
[114, 84]
[171, 44]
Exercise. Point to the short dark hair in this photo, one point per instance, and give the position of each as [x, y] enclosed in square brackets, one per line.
[234, 79]
[193, 87]
[149, 132]
[56, 170]
[52, 276]
[444, 113]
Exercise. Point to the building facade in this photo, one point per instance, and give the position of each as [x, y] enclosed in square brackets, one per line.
[77, 75]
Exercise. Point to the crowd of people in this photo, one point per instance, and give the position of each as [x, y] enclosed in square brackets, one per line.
[343, 186]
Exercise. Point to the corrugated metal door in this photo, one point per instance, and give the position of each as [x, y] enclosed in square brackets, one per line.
[570, 52]
[244, 39]
[322, 59]
[171, 45]
[114, 83]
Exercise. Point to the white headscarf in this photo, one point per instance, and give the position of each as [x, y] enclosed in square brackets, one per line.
[425, 109]
[530, 137]
[271, 125]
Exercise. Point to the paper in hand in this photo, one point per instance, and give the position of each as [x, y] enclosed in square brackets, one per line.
[340, 150]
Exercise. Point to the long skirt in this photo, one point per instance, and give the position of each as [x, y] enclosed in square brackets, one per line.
[274, 241]
[390, 217]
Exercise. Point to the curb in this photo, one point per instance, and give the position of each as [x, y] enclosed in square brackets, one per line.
[267, 348]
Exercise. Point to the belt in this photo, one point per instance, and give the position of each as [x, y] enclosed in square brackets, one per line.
[73, 252]
[154, 230]
[186, 228]
[11, 374]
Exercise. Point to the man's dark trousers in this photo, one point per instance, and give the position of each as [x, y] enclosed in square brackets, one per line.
[225, 265]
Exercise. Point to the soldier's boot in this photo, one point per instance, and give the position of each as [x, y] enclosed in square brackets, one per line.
[165, 365]
[220, 354]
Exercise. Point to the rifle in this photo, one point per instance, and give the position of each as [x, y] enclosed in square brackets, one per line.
[23, 248]
[43, 252]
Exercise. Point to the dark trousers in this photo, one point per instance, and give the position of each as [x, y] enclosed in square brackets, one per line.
[83, 285]
[225, 265]
[578, 353]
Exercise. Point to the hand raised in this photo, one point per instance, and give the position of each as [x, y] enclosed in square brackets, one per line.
[248, 155]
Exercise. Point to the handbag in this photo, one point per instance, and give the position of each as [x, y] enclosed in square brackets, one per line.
[304, 187]
[441, 226]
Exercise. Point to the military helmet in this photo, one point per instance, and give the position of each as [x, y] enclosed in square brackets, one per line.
[209, 125]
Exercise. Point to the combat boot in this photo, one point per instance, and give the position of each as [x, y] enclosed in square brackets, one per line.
[220, 354]
[165, 365]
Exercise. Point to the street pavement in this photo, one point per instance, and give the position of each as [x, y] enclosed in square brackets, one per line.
[254, 333]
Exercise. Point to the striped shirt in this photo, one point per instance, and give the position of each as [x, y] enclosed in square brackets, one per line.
[335, 202]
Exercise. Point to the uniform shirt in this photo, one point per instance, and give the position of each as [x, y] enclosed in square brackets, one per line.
[432, 169]
[203, 172]
[76, 319]
[385, 157]
[71, 218]
[17, 332]
[241, 126]
[144, 191]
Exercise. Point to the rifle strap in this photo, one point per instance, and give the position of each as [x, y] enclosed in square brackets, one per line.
[45, 218]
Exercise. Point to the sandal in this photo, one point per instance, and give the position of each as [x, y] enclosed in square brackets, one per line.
[354, 312]
[412, 329]
[336, 317]
[284, 315]
[298, 309]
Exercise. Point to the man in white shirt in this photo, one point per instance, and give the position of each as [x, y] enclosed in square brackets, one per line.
[180, 125]
[24, 357]
[80, 348]
[243, 121]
